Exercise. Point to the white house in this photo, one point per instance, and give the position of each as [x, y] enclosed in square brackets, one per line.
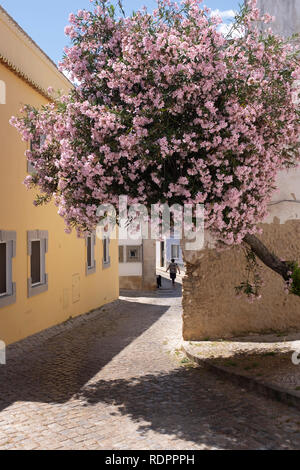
[137, 264]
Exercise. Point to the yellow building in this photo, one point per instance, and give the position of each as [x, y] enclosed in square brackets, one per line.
[46, 276]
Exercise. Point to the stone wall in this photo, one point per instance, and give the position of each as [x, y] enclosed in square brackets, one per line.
[211, 309]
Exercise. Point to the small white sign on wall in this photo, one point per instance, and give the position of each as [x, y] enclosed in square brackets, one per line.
[2, 92]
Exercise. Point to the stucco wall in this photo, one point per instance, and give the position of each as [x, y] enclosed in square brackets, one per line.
[211, 309]
[70, 291]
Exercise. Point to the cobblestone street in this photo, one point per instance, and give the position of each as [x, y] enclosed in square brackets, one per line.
[112, 380]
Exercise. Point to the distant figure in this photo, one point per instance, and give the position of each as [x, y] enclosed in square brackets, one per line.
[158, 280]
[173, 268]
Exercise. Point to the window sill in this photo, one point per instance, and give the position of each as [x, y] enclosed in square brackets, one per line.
[37, 289]
[91, 270]
[8, 299]
[106, 265]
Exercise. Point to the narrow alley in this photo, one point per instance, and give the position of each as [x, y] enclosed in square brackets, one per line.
[112, 380]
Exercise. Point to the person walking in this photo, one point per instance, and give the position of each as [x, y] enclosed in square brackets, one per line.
[173, 268]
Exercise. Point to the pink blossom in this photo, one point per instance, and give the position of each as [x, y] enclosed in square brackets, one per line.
[166, 110]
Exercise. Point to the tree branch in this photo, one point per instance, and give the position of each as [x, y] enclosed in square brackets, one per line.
[268, 258]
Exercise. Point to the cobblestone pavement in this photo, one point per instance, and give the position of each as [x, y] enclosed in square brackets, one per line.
[114, 380]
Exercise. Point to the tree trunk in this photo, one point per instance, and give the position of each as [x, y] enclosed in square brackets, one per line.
[268, 258]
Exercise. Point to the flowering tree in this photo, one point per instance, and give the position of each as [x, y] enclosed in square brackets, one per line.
[167, 109]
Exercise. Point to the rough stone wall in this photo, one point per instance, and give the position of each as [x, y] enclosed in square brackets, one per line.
[211, 309]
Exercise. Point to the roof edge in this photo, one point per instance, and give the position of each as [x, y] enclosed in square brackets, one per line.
[11, 20]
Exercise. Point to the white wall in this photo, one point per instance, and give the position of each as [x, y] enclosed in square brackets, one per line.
[130, 269]
[158, 255]
[286, 202]
[131, 242]
[287, 13]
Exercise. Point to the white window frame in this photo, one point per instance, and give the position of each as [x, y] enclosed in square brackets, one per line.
[138, 258]
[42, 237]
[177, 249]
[90, 269]
[10, 240]
[106, 256]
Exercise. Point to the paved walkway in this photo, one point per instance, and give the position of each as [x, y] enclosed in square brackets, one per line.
[116, 381]
[271, 361]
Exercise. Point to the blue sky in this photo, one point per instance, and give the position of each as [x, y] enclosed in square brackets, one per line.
[44, 20]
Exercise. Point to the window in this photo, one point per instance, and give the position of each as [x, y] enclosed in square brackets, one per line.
[30, 166]
[35, 262]
[7, 253]
[106, 257]
[175, 251]
[90, 254]
[133, 254]
[42, 140]
[37, 249]
[162, 254]
[121, 254]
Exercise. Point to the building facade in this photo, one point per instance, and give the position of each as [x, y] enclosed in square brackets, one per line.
[137, 265]
[46, 276]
